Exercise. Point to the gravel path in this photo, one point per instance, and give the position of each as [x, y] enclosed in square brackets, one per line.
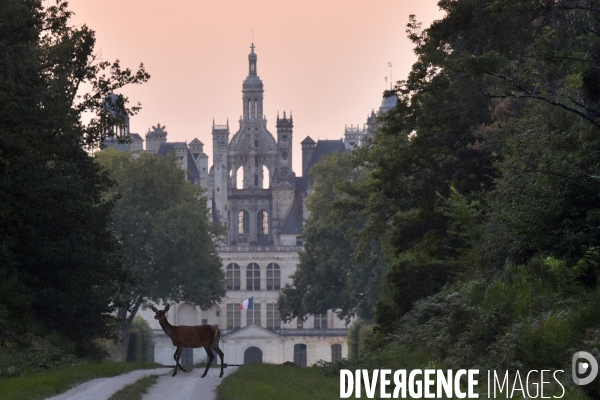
[188, 385]
[103, 388]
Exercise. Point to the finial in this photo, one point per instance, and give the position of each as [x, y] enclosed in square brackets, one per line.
[252, 46]
[284, 115]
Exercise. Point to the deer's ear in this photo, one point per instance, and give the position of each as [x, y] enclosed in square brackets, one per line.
[153, 308]
[167, 307]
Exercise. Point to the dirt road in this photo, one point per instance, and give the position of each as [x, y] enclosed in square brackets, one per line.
[183, 386]
[103, 388]
[189, 385]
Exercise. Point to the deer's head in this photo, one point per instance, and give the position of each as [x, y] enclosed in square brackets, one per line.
[159, 314]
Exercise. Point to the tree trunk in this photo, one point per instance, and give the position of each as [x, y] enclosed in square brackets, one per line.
[125, 324]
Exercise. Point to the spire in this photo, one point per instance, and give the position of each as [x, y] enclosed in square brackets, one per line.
[252, 61]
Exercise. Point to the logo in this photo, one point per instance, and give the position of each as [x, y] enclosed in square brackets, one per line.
[580, 368]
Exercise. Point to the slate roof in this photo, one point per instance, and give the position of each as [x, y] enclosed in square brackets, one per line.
[294, 220]
[192, 171]
[135, 137]
[325, 148]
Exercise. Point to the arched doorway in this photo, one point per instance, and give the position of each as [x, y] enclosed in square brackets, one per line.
[252, 355]
[300, 354]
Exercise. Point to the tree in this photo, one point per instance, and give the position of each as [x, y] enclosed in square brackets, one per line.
[162, 223]
[59, 263]
[329, 275]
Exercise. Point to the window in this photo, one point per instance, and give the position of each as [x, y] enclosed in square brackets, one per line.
[243, 222]
[233, 277]
[249, 109]
[234, 316]
[253, 277]
[263, 223]
[321, 321]
[273, 320]
[273, 277]
[255, 109]
[300, 323]
[204, 321]
[253, 316]
[239, 178]
[284, 155]
[336, 352]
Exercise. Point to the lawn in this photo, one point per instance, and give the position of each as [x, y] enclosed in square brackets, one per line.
[269, 381]
[54, 381]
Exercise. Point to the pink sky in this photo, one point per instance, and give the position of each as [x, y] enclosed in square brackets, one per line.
[323, 60]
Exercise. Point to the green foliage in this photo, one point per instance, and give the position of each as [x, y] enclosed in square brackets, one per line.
[329, 275]
[60, 265]
[162, 223]
[58, 380]
[480, 192]
[267, 381]
[136, 390]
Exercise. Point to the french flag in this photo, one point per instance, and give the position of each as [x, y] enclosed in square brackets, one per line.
[247, 304]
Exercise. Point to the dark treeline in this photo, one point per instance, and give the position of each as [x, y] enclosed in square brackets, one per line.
[469, 223]
[66, 265]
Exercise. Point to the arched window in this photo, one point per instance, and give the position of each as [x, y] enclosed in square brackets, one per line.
[255, 109]
[253, 277]
[262, 219]
[266, 177]
[273, 277]
[249, 109]
[239, 178]
[243, 222]
[336, 352]
[233, 277]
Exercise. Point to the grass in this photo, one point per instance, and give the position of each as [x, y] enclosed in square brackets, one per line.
[269, 381]
[54, 381]
[136, 390]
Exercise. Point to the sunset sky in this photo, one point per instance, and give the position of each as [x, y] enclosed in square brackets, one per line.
[323, 60]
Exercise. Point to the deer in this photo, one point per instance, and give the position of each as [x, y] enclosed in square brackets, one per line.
[206, 336]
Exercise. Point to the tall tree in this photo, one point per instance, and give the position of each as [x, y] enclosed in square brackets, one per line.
[330, 275]
[162, 223]
[59, 263]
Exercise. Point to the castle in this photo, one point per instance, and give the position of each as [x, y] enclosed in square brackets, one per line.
[254, 192]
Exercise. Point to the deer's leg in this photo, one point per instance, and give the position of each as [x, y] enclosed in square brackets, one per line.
[178, 364]
[215, 346]
[179, 348]
[210, 359]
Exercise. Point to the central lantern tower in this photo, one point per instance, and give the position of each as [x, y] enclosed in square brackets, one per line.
[260, 181]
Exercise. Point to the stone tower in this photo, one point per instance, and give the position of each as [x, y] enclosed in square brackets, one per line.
[220, 135]
[254, 163]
